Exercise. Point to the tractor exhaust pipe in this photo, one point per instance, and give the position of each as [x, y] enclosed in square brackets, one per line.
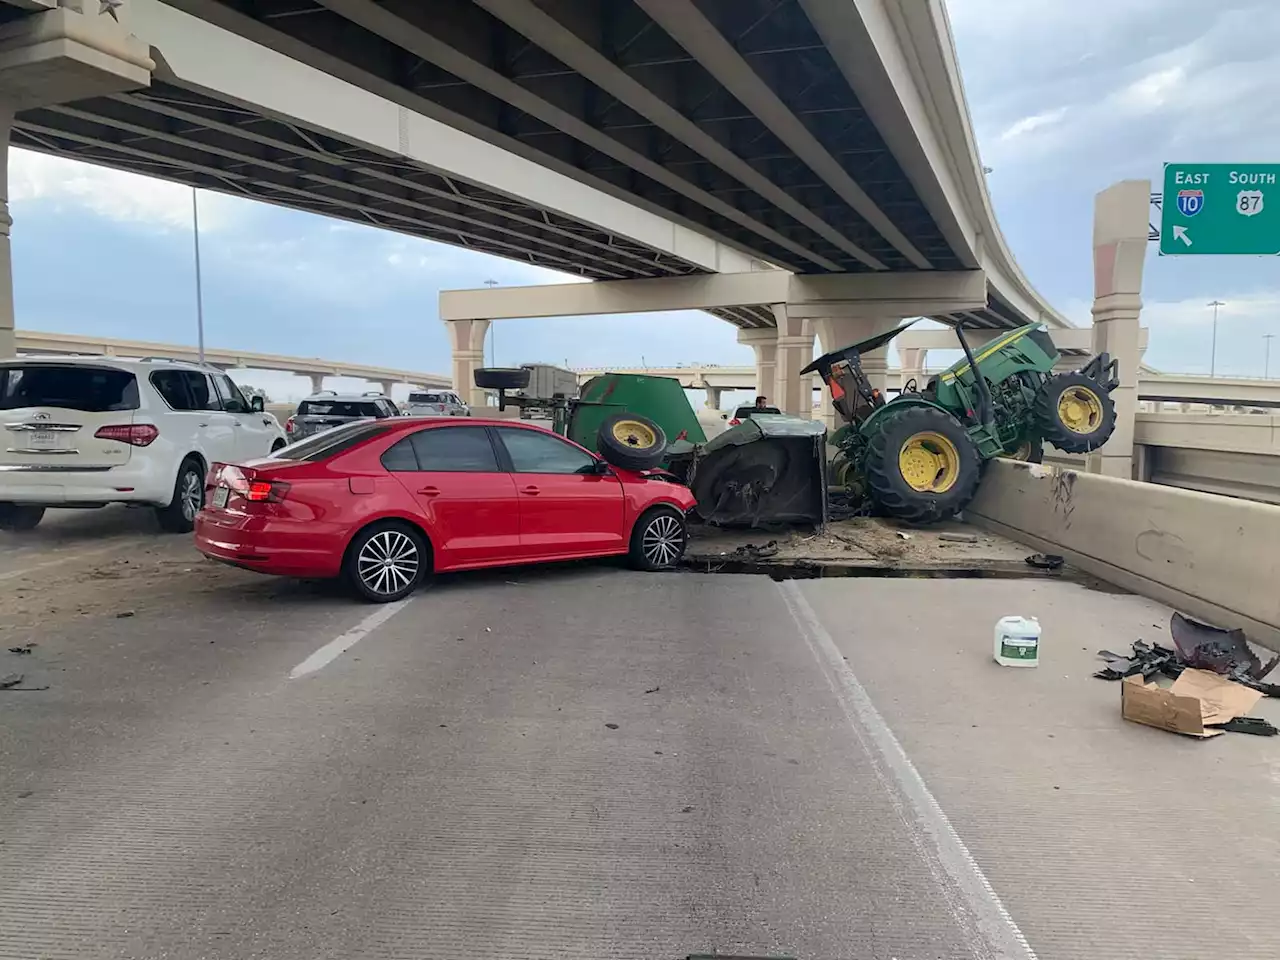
[985, 411]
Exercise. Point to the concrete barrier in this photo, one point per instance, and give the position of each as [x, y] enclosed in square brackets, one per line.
[1212, 557]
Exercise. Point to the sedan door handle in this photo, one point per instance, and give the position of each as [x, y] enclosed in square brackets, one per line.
[531, 491]
[430, 491]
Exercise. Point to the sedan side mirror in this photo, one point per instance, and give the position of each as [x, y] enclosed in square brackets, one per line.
[724, 416]
[257, 405]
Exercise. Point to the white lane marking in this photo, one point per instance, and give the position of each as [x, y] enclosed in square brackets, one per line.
[58, 561]
[932, 833]
[341, 644]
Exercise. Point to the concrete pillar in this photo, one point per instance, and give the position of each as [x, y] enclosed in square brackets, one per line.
[913, 360]
[467, 339]
[8, 345]
[317, 382]
[68, 51]
[386, 387]
[1120, 227]
[836, 332]
[794, 352]
[714, 395]
[764, 341]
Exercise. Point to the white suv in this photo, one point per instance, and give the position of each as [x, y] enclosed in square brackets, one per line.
[88, 431]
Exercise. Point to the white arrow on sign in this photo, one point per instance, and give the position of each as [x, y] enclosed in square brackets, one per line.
[1180, 233]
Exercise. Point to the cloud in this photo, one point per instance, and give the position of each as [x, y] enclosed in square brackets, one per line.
[1028, 124]
[44, 181]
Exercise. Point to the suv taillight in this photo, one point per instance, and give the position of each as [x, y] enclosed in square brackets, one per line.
[137, 434]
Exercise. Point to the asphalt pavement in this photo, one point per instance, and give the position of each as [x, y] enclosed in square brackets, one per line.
[577, 761]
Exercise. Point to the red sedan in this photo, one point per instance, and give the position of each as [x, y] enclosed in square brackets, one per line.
[386, 503]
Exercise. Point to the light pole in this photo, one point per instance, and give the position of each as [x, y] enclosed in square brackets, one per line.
[493, 334]
[195, 230]
[1213, 351]
[1266, 355]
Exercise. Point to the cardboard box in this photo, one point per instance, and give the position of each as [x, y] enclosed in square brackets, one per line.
[1197, 698]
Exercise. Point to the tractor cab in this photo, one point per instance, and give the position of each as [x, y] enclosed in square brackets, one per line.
[852, 394]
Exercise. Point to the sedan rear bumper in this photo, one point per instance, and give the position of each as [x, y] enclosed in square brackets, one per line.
[259, 545]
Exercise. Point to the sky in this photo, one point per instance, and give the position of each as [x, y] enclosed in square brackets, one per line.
[1066, 96]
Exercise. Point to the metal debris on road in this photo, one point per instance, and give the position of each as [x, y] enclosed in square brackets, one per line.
[23, 648]
[1046, 561]
[10, 680]
[1225, 652]
[1255, 725]
[752, 552]
[958, 537]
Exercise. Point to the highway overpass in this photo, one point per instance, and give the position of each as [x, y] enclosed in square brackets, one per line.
[71, 344]
[650, 141]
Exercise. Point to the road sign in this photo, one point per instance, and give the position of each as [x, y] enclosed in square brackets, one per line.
[1217, 208]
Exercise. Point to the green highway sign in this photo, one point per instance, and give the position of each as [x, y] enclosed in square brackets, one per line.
[1216, 208]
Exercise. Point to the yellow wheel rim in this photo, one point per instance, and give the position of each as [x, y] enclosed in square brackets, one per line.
[634, 434]
[929, 462]
[1080, 409]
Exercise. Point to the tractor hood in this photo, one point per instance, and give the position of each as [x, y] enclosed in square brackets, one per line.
[824, 362]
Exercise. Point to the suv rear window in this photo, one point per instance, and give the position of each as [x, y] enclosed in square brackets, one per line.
[428, 398]
[71, 387]
[338, 408]
[745, 413]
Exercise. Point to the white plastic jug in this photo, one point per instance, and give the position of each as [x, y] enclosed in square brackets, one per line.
[1018, 642]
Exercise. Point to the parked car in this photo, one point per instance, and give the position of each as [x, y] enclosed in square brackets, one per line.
[437, 403]
[746, 413]
[88, 431]
[387, 503]
[326, 409]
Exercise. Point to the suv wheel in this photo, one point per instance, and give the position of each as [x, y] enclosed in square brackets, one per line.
[179, 516]
[19, 518]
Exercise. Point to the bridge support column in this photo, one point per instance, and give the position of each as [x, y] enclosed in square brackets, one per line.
[714, 395]
[794, 350]
[913, 362]
[764, 341]
[836, 332]
[1120, 228]
[467, 339]
[386, 387]
[69, 52]
[317, 382]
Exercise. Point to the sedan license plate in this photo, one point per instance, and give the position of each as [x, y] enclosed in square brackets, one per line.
[220, 495]
[44, 439]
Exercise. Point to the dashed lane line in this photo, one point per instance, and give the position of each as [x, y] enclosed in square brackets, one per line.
[991, 931]
[341, 644]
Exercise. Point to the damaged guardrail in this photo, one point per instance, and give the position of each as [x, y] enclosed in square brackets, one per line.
[1215, 558]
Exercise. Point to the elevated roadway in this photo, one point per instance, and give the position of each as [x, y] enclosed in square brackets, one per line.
[67, 344]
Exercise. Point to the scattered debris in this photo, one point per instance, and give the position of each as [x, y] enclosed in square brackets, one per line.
[23, 648]
[1225, 652]
[903, 535]
[749, 551]
[612, 726]
[958, 537]
[10, 680]
[1197, 705]
[1046, 561]
[25, 793]
[1255, 725]
[686, 809]
[124, 613]
[653, 690]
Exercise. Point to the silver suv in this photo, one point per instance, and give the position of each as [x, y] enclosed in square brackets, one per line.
[436, 403]
[326, 409]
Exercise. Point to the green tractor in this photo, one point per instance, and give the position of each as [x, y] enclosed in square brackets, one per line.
[919, 456]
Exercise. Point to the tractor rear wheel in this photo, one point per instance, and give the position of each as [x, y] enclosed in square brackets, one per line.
[1075, 413]
[921, 465]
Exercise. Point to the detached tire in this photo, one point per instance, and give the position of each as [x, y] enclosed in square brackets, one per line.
[502, 378]
[19, 517]
[658, 539]
[188, 497]
[1075, 413]
[921, 466]
[631, 441]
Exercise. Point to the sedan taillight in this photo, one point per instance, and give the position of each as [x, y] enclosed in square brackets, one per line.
[289, 425]
[734, 422]
[137, 434]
